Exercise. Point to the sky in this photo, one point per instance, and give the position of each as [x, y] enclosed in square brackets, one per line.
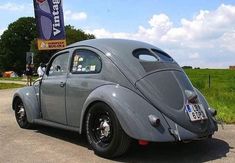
[198, 33]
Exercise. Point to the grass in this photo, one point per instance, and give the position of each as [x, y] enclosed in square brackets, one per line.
[221, 94]
[13, 79]
[17, 78]
[10, 85]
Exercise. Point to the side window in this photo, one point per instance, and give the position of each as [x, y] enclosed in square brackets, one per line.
[85, 62]
[59, 65]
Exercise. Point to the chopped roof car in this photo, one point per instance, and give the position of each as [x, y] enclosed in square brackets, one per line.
[115, 91]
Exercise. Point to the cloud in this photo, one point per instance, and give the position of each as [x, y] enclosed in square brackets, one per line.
[228, 41]
[205, 40]
[16, 7]
[159, 25]
[70, 15]
[194, 56]
[206, 25]
[103, 33]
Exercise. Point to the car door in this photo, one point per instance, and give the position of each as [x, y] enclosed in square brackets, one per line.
[53, 89]
[85, 75]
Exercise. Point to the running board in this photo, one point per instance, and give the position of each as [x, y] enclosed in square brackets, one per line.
[54, 124]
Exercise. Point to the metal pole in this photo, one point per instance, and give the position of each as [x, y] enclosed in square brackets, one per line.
[209, 81]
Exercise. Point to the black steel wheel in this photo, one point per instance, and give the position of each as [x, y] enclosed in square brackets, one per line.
[20, 114]
[104, 132]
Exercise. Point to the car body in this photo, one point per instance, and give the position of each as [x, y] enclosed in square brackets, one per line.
[114, 91]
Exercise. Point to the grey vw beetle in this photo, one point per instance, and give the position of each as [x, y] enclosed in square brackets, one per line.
[116, 91]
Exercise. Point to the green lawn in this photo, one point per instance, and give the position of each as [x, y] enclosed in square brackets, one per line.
[221, 94]
[12, 79]
[18, 78]
[10, 85]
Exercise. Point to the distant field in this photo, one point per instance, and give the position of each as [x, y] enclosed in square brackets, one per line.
[221, 94]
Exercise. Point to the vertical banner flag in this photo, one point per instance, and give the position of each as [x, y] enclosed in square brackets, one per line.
[50, 24]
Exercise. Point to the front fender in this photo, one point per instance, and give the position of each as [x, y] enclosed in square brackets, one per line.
[132, 111]
[30, 101]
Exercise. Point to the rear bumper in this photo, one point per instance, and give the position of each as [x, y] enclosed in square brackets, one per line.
[182, 134]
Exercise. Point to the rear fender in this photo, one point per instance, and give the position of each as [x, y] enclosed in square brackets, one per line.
[181, 133]
[132, 112]
[213, 124]
[30, 101]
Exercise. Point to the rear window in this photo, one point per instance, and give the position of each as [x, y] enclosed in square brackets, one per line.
[162, 55]
[144, 55]
[151, 56]
[152, 59]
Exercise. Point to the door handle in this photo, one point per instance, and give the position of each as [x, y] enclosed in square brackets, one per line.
[62, 84]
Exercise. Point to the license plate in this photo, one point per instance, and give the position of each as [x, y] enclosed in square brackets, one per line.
[196, 112]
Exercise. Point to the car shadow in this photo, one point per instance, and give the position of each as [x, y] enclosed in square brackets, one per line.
[196, 151]
[65, 135]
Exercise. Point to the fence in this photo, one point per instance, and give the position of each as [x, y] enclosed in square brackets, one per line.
[224, 79]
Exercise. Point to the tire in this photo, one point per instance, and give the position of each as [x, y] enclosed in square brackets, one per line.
[20, 114]
[104, 132]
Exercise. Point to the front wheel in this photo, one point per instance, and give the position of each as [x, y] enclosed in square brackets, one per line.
[20, 114]
[104, 132]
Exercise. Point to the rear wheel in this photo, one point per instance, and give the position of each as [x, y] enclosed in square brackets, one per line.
[20, 114]
[104, 132]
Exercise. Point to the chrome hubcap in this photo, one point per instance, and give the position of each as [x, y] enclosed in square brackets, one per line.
[101, 128]
[21, 112]
[104, 128]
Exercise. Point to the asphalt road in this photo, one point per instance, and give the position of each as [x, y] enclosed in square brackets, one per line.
[44, 144]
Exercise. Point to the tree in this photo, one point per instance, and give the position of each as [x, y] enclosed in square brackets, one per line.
[72, 35]
[15, 42]
[187, 67]
[19, 38]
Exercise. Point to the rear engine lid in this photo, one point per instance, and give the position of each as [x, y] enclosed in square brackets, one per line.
[165, 89]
